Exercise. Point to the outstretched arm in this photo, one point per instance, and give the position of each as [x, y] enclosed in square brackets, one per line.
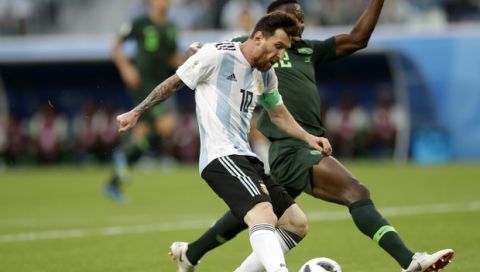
[163, 91]
[282, 118]
[347, 44]
[128, 71]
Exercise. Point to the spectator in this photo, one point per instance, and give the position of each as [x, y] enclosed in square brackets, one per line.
[186, 137]
[335, 12]
[16, 140]
[414, 13]
[14, 15]
[234, 9]
[191, 14]
[48, 133]
[245, 23]
[462, 10]
[85, 133]
[347, 127]
[387, 120]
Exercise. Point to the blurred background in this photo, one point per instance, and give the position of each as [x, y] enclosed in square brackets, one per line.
[412, 95]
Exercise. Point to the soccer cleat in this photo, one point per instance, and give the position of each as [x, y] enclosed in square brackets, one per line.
[178, 252]
[424, 262]
[114, 193]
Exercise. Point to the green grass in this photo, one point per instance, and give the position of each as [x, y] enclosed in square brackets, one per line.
[57, 219]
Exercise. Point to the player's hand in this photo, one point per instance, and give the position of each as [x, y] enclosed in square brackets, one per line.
[131, 77]
[127, 120]
[321, 144]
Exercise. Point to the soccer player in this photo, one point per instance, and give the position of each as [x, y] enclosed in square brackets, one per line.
[155, 59]
[299, 168]
[228, 79]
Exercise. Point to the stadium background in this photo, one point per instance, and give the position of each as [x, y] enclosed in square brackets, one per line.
[56, 54]
[52, 54]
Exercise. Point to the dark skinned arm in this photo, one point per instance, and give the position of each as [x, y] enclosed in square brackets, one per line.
[347, 44]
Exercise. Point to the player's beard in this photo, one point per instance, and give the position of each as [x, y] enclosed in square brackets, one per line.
[262, 64]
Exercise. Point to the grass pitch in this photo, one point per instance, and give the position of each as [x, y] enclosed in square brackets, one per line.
[57, 219]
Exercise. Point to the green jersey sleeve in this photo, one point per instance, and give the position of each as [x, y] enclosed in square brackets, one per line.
[323, 50]
[240, 39]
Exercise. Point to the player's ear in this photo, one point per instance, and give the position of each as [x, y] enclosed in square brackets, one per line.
[257, 37]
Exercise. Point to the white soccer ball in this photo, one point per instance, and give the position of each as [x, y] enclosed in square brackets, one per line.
[321, 264]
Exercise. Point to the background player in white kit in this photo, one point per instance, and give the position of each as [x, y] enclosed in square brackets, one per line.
[228, 79]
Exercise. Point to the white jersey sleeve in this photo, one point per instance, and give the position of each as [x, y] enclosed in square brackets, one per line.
[199, 66]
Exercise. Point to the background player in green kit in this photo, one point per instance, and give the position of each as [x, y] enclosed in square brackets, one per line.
[156, 58]
[299, 168]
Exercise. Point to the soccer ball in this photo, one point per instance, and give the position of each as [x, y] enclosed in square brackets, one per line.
[321, 264]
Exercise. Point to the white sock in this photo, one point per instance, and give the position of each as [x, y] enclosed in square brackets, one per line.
[267, 251]
[251, 264]
[288, 240]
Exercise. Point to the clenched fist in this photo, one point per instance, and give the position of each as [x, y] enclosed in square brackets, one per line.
[127, 120]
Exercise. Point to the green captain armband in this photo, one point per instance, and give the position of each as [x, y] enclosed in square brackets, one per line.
[270, 100]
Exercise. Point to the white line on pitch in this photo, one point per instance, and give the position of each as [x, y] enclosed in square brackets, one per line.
[198, 224]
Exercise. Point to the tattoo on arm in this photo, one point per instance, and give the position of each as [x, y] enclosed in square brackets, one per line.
[163, 91]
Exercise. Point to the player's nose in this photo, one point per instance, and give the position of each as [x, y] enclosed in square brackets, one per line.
[280, 54]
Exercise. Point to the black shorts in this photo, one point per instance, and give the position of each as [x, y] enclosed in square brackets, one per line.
[242, 183]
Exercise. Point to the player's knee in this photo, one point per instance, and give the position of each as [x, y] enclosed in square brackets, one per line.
[294, 220]
[262, 213]
[300, 226]
[363, 191]
[357, 191]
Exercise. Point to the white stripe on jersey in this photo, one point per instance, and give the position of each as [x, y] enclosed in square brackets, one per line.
[227, 89]
[235, 171]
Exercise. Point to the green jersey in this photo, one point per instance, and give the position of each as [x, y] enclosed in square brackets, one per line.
[155, 45]
[291, 159]
[298, 87]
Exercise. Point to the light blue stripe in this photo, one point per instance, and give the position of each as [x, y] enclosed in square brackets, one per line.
[265, 80]
[244, 122]
[203, 160]
[223, 106]
[244, 116]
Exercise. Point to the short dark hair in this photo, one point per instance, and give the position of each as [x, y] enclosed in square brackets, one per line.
[269, 23]
[275, 4]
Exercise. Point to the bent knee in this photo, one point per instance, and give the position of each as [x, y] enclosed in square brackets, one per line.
[357, 191]
[300, 227]
[262, 213]
[294, 220]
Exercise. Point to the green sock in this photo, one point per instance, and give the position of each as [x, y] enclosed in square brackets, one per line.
[369, 221]
[227, 227]
[135, 152]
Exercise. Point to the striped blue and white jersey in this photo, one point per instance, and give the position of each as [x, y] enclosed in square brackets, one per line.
[227, 90]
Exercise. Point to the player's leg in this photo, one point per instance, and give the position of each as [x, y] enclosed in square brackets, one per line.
[151, 128]
[223, 230]
[188, 255]
[291, 229]
[291, 226]
[238, 181]
[332, 182]
[292, 221]
[125, 156]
